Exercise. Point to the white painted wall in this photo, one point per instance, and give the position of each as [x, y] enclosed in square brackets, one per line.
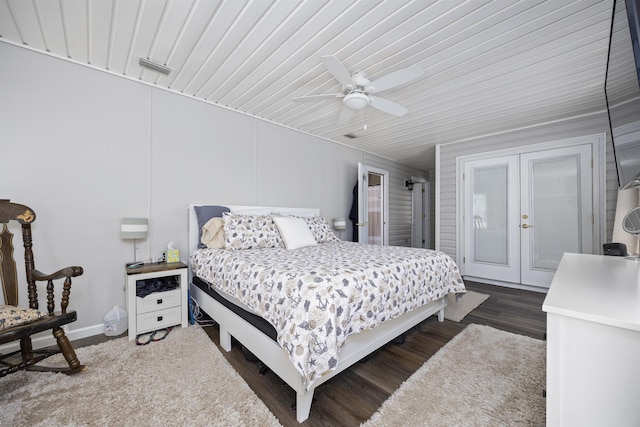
[72, 150]
[85, 148]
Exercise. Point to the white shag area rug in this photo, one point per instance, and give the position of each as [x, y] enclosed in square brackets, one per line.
[457, 309]
[482, 377]
[181, 380]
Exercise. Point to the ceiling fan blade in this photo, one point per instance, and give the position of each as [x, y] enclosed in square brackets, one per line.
[387, 106]
[345, 115]
[318, 97]
[336, 68]
[395, 78]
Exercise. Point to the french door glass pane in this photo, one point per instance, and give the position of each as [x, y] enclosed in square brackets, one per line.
[490, 219]
[555, 213]
[375, 213]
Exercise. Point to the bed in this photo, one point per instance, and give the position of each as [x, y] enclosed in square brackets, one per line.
[303, 302]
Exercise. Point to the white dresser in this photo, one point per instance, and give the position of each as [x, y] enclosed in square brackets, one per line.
[593, 342]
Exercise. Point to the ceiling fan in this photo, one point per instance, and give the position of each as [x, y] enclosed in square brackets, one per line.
[357, 89]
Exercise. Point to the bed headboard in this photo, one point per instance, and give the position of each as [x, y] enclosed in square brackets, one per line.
[194, 232]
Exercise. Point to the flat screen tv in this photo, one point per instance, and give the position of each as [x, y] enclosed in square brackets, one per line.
[622, 90]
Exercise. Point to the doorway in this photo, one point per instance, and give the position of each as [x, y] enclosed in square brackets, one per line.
[523, 211]
[420, 235]
[373, 209]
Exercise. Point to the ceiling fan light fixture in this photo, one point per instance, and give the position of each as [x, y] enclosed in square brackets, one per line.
[356, 101]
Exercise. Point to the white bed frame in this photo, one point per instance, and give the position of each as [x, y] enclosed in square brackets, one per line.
[271, 354]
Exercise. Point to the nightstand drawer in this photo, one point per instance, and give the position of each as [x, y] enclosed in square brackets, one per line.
[159, 319]
[158, 301]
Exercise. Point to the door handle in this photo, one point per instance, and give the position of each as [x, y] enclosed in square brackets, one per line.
[526, 226]
[361, 224]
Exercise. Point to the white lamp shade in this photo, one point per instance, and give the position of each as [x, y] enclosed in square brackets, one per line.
[339, 224]
[134, 228]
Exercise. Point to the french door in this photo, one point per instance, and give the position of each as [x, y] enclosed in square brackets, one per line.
[522, 212]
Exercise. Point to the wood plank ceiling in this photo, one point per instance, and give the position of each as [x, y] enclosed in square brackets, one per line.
[489, 65]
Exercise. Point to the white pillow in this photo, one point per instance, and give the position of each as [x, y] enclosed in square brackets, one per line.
[295, 232]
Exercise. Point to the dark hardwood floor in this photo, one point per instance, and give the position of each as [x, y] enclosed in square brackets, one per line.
[355, 394]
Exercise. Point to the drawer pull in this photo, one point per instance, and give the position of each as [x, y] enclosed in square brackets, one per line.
[159, 318]
[159, 301]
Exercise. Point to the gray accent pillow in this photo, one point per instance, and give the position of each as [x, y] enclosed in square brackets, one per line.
[204, 214]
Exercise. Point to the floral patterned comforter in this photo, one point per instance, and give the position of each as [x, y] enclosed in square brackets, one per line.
[317, 296]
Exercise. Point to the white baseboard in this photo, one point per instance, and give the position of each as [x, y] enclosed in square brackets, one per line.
[46, 339]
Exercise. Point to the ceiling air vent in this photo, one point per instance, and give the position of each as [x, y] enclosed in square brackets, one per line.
[350, 135]
[154, 66]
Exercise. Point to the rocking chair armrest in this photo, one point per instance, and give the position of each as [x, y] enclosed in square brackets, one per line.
[60, 274]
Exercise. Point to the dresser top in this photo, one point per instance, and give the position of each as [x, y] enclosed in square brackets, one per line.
[597, 288]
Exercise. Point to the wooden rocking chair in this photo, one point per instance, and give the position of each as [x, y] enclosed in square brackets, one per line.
[17, 323]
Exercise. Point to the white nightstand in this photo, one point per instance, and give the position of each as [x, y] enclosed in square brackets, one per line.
[159, 309]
